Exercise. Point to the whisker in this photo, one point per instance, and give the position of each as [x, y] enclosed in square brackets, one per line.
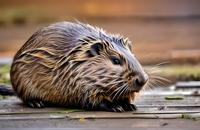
[118, 92]
[150, 87]
[162, 63]
[124, 88]
[157, 71]
[157, 66]
[111, 88]
[160, 78]
[113, 85]
[158, 84]
[153, 84]
[147, 86]
[161, 82]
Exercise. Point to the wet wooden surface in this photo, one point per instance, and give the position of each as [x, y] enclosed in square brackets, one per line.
[154, 112]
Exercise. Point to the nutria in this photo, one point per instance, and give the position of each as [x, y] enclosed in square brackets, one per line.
[77, 65]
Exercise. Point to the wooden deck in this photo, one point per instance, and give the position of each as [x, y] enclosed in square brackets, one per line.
[156, 110]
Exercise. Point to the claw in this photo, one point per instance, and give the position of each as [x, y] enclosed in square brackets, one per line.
[129, 107]
[35, 104]
[120, 108]
[30, 104]
[133, 107]
[114, 110]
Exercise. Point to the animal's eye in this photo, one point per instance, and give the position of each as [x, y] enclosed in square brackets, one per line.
[115, 61]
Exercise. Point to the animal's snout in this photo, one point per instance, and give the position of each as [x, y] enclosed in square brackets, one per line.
[140, 80]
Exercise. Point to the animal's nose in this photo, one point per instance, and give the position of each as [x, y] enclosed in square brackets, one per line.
[141, 80]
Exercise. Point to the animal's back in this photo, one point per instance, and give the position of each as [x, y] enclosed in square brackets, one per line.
[59, 37]
[32, 68]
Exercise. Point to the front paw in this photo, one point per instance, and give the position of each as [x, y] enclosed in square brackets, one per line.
[112, 107]
[123, 108]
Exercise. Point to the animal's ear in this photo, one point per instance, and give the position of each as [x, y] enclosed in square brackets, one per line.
[95, 49]
[128, 43]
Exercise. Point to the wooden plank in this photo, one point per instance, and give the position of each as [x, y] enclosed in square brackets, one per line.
[149, 107]
[159, 100]
[32, 116]
[99, 124]
[100, 115]
[188, 85]
[129, 115]
[103, 115]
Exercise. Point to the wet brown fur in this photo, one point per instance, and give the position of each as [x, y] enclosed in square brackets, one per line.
[57, 67]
